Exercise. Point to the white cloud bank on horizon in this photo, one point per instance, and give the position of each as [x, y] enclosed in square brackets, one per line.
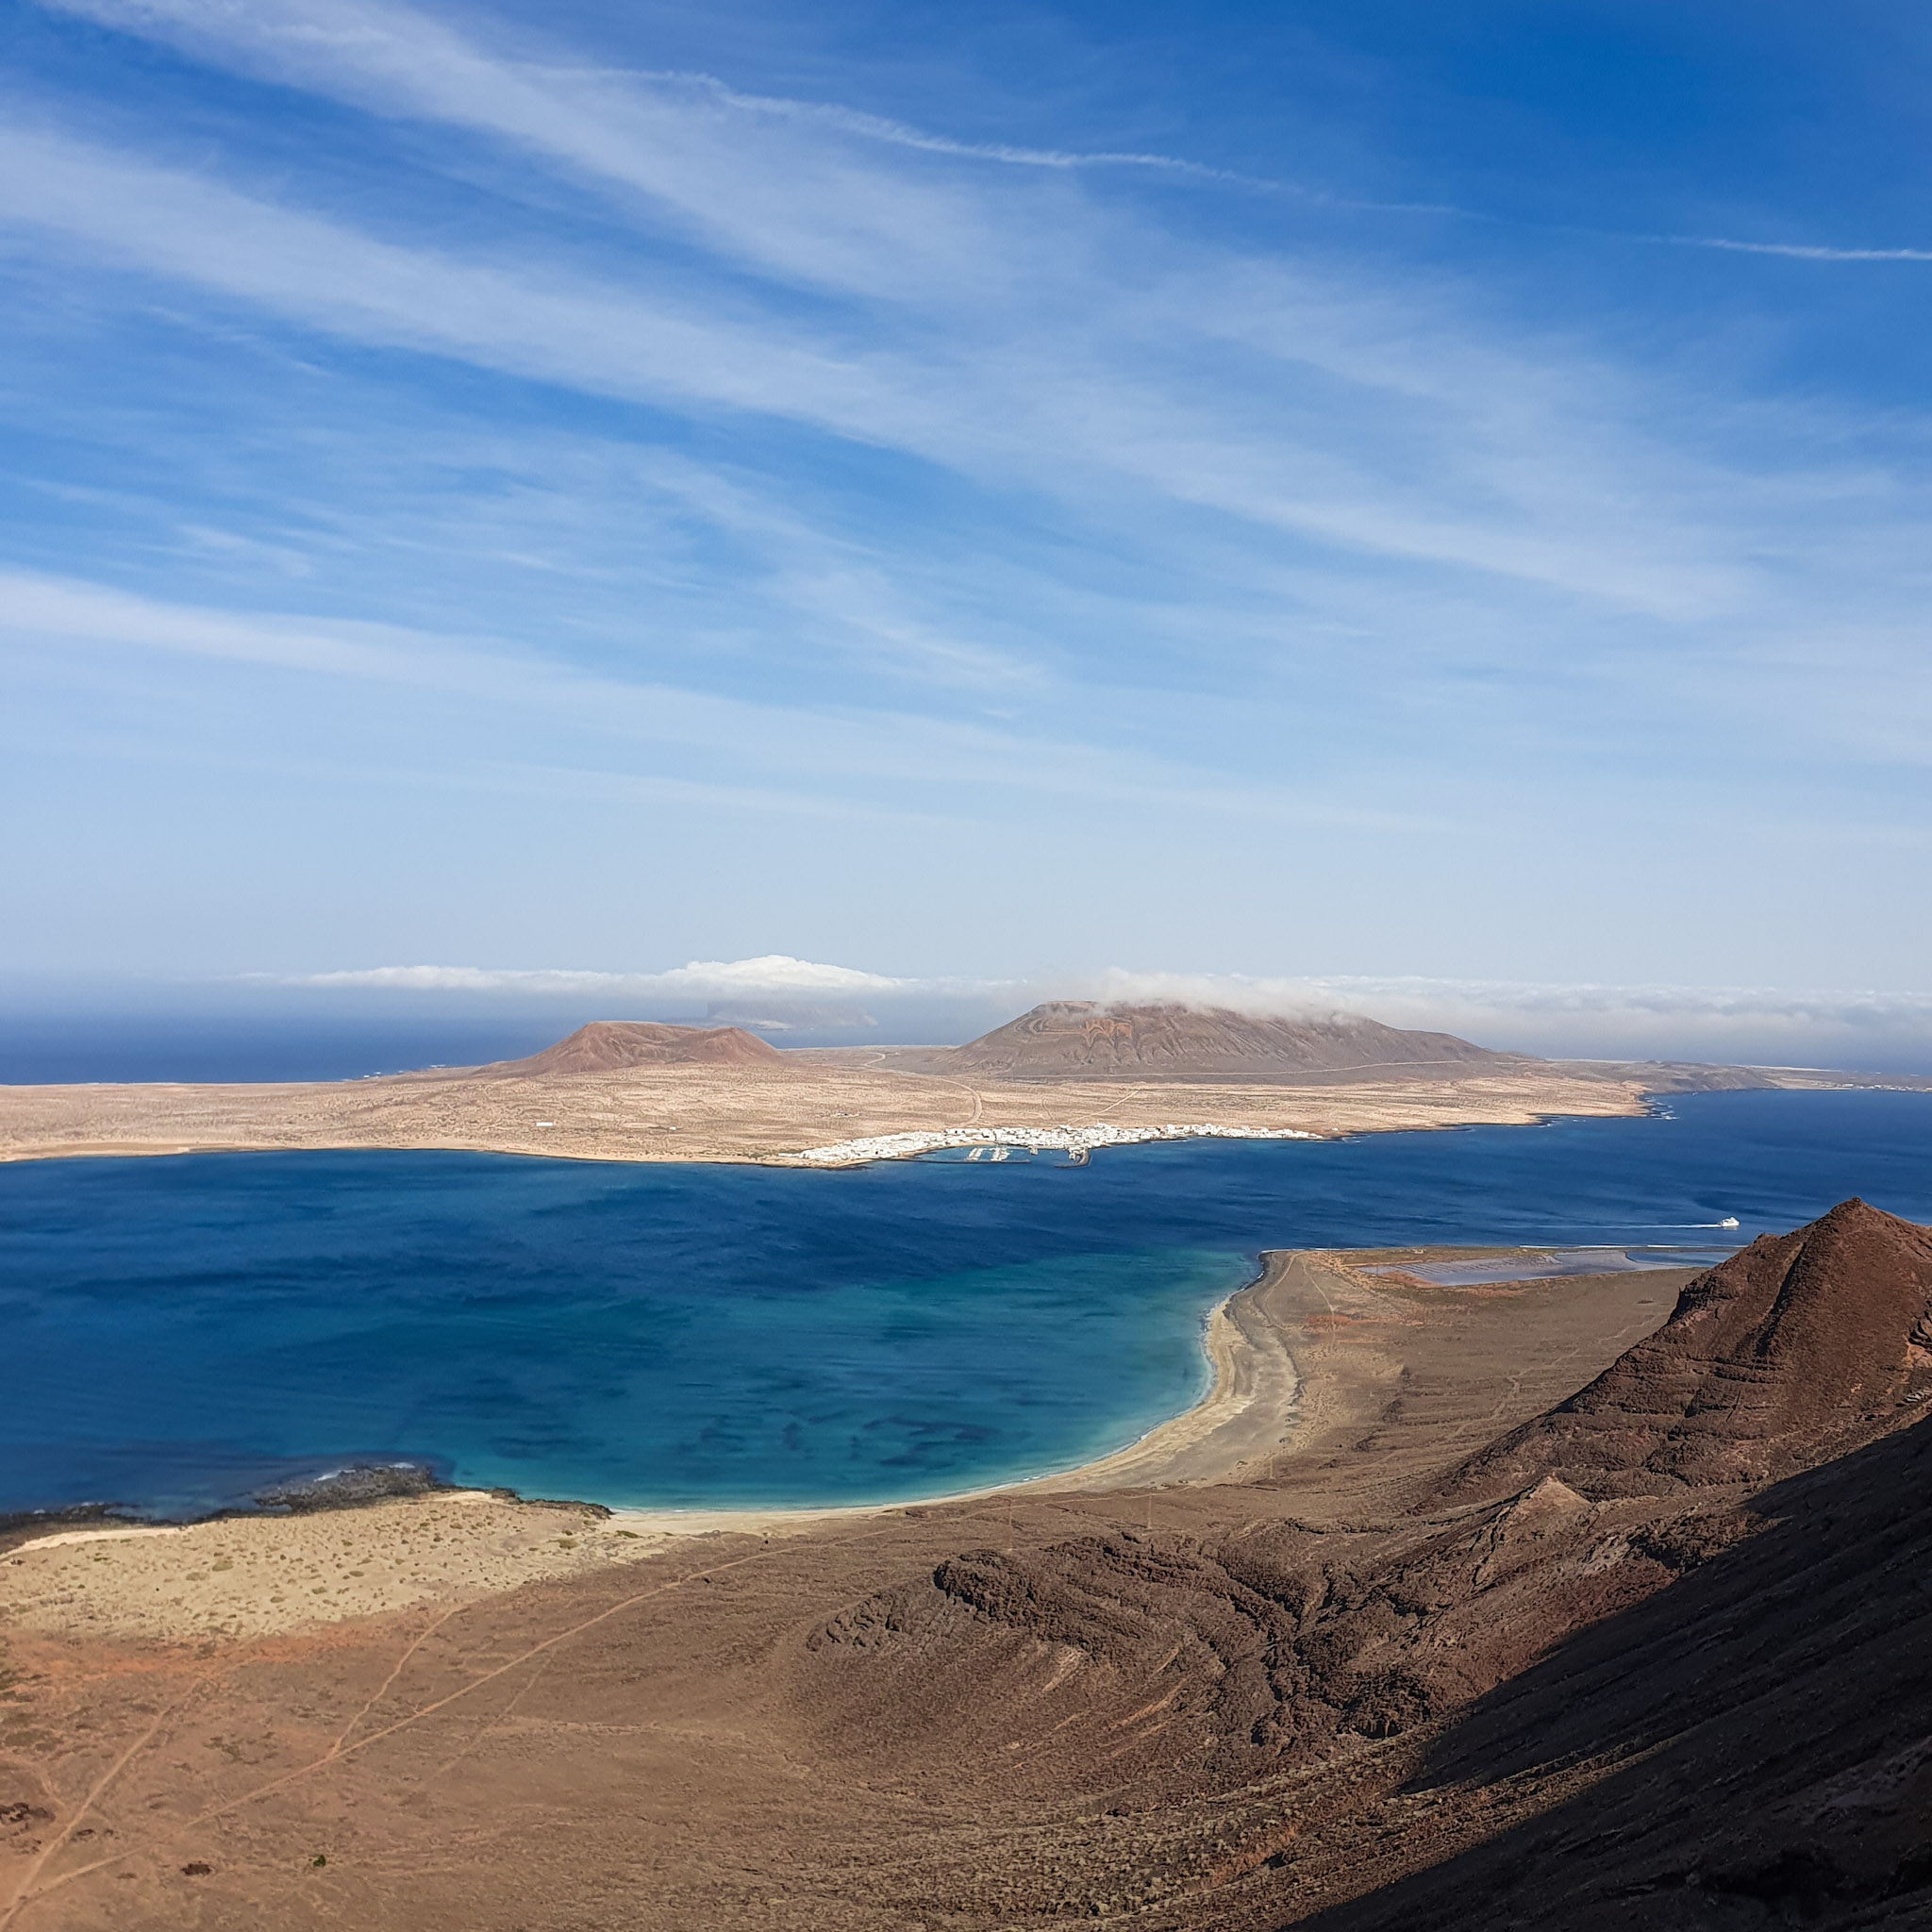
[771, 973]
[1755, 1024]
[1764, 1024]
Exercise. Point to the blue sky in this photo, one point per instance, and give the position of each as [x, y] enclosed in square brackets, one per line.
[971, 493]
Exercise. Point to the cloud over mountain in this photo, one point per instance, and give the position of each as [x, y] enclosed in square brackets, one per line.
[1753, 1025]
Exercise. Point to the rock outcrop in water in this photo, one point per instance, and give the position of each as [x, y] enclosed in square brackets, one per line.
[351, 1487]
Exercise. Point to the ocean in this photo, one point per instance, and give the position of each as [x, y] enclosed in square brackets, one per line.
[182, 1331]
[58, 1048]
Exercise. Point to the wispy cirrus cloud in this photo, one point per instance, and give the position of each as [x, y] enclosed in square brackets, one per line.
[987, 343]
[899, 134]
[627, 445]
[1795, 250]
[40, 616]
[400, 61]
[1532, 469]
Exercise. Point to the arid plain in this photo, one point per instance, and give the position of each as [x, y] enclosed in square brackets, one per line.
[1591, 1601]
[1424, 1640]
[768, 1110]
[629, 1091]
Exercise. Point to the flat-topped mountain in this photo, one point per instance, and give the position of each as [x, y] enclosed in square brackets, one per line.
[607, 1046]
[1792, 1352]
[1083, 1040]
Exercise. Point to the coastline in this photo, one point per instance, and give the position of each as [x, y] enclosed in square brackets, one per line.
[1246, 1416]
[1303, 1360]
[1247, 1409]
[1252, 1385]
[228, 1577]
[207, 1718]
[802, 1115]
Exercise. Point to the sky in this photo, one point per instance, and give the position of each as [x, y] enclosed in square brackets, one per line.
[1358, 497]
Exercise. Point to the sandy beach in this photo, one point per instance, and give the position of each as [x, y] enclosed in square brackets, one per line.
[262, 1575]
[253, 1577]
[312, 1717]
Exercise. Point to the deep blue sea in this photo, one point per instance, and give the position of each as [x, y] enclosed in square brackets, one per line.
[55, 1047]
[182, 1331]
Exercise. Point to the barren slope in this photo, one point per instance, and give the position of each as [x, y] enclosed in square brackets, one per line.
[1749, 1748]
[1079, 1040]
[607, 1046]
[1798, 1348]
[1364, 1697]
[1295, 1698]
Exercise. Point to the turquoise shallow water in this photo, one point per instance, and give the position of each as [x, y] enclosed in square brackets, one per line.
[182, 1331]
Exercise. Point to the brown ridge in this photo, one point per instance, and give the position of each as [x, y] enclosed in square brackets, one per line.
[1065, 1039]
[1788, 1353]
[607, 1046]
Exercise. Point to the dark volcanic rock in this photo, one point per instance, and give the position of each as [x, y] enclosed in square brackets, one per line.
[1794, 1351]
[1268, 1648]
[347, 1489]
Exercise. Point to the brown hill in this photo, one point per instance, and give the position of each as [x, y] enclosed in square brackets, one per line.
[1083, 1040]
[606, 1045]
[1792, 1351]
[1702, 1705]
[1598, 1718]
[1703, 1710]
[1747, 1748]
